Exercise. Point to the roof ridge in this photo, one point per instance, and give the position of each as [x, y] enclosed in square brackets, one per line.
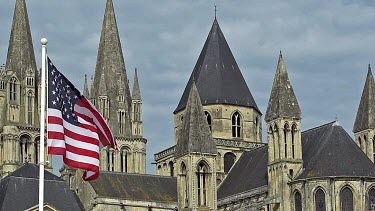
[318, 127]
[135, 174]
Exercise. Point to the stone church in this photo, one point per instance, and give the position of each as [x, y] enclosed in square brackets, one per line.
[219, 160]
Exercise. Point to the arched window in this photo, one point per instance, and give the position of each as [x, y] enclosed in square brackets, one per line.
[297, 201]
[30, 105]
[12, 88]
[24, 149]
[371, 199]
[171, 168]
[159, 170]
[365, 144]
[184, 184]
[229, 159]
[202, 173]
[36, 150]
[236, 125]
[347, 203]
[320, 200]
[286, 129]
[2, 84]
[360, 142]
[110, 160]
[277, 141]
[209, 121]
[124, 160]
[294, 130]
[121, 121]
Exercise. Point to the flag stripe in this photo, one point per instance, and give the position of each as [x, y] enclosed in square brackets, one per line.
[75, 128]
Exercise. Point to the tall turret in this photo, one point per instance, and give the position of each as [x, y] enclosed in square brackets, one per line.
[364, 126]
[137, 124]
[195, 159]
[283, 118]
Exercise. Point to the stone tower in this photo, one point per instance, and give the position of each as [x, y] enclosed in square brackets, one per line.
[283, 118]
[364, 126]
[19, 97]
[196, 159]
[110, 93]
[230, 109]
[137, 124]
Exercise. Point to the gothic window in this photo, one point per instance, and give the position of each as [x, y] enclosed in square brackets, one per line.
[184, 184]
[371, 199]
[277, 140]
[320, 200]
[12, 89]
[297, 201]
[256, 125]
[124, 160]
[209, 120]
[171, 168]
[229, 159]
[24, 154]
[30, 81]
[236, 125]
[2, 84]
[202, 180]
[137, 112]
[365, 145]
[294, 129]
[121, 121]
[286, 129]
[360, 142]
[347, 203]
[110, 160]
[30, 108]
[159, 169]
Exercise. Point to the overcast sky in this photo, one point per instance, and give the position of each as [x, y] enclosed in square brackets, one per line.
[326, 45]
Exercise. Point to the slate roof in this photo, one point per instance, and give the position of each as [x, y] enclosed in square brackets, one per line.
[136, 186]
[366, 111]
[328, 150]
[19, 190]
[283, 101]
[21, 56]
[249, 172]
[195, 134]
[219, 79]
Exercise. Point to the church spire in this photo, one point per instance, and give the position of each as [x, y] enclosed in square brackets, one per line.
[21, 56]
[195, 136]
[283, 102]
[86, 92]
[366, 111]
[110, 60]
[136, 94]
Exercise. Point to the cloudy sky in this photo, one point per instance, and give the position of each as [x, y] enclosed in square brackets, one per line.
[327, 46]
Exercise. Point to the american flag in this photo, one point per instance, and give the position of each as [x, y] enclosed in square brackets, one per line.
[76, 130]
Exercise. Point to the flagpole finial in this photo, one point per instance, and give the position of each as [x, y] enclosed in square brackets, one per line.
[44, 41]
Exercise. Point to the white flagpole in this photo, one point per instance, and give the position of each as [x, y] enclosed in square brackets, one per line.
[44, 42]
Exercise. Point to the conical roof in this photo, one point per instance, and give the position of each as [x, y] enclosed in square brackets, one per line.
[283, 101]
[136, 95]
[21, 56]
[195, 134]
[366, 111]
[218, 78]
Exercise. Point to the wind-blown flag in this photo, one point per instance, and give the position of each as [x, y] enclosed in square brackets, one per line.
[76, 130]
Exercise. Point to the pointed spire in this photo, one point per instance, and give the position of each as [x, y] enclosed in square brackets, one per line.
[86, 92]
[195, 134]
[136, 95]
[21, 51]
[366, 111]
[217, 75]
[110, 60]
[283, 102]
